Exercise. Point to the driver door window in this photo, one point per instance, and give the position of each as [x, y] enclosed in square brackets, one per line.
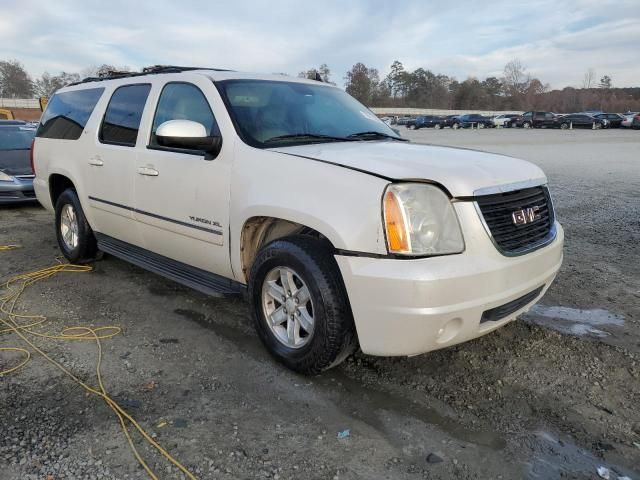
[182, 101]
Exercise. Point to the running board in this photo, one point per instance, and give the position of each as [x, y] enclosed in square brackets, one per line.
[192, 277]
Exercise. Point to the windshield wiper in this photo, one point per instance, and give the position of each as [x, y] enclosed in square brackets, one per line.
[373, 136]
[308, 136]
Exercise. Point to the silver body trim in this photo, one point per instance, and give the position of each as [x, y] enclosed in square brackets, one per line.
[509, 187]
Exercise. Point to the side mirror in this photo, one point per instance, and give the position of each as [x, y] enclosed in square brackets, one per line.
[189, 135]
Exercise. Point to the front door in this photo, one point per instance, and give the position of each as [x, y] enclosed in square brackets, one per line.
[182, 198]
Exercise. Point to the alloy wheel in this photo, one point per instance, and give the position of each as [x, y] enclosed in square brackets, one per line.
[288, 307]
[69, 226]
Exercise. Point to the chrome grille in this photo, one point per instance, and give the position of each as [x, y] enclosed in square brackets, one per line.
[497, 211]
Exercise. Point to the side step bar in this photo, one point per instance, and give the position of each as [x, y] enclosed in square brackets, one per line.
[192, 277]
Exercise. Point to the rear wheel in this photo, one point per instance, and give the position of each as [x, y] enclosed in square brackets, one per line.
[564, 126]
[300, 306]
[455, 126]
[437, 126]
[75, 237]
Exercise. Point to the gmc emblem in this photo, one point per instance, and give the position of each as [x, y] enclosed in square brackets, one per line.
[525, 216]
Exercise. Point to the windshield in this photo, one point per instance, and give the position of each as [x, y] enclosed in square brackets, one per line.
[16, 137]
[274, 114]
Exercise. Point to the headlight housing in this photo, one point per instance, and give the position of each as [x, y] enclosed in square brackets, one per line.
[5, 178]
[420, 221]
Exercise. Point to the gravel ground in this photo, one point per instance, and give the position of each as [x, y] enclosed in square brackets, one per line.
[553, 395]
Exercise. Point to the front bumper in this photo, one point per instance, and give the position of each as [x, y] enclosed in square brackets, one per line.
[20, 190]
[413, 306]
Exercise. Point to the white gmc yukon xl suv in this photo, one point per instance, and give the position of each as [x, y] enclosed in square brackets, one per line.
[340, 232]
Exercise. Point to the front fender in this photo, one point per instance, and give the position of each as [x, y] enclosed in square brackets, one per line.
[342, 204]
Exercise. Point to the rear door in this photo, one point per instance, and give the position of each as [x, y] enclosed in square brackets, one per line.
[181, 198]
[111, 164]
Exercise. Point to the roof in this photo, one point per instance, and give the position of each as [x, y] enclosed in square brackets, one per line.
[215, 74]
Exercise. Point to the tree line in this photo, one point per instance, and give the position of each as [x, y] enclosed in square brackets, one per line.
[516, 89]
[15, 81]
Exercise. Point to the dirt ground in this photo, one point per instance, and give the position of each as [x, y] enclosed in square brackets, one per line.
[552, 395]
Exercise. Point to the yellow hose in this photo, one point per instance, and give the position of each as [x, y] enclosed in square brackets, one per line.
[13, 289]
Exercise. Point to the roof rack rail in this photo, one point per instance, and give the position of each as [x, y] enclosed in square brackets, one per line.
[153, 69]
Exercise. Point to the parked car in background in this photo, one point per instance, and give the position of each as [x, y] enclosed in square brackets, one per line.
[16, 176]
[614, 119]
[635, 122]
[449, 120]
[536, 120]
[504, 119]
[12, 122]
[627, 120]
[580, 120]
[473, 120]
[425, 121]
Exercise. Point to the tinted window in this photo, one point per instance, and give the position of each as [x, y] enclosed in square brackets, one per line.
[67, 114]
[183, 101]
[122, 118]
[16, 137]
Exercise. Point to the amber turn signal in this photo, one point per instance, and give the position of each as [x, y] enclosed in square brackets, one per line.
[397, 234]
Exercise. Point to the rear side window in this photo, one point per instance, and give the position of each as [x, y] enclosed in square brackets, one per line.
[122, 118]
[183, 101]
[67, 114]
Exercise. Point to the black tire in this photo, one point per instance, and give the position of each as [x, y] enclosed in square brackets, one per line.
[526, 125]
[87, 248]
[334, 337]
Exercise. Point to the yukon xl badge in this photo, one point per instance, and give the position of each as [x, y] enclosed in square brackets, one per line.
[525, 216]
[206, 221]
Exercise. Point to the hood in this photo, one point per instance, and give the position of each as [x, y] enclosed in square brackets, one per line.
[460, 171]
[15, 162]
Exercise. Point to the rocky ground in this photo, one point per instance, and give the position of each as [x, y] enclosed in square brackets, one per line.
[553, 395]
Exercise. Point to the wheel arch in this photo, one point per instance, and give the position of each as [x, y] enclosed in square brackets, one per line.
[58, 183]
[259, 230]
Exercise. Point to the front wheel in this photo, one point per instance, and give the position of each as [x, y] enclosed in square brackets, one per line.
[437, 126]
[564, 126]
[75, 237]
[455, 126]
[526, 125]
[300, 307]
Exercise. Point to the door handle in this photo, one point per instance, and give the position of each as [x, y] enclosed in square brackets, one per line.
[148, 171]
[96, 161]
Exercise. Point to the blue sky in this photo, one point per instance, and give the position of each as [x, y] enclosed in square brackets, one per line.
[558, 41]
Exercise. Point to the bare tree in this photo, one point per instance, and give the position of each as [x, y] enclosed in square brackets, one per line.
[322, 72]
[46, 85]
[515, 77]
[589, 78]
[102, 70]
[15, 82]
